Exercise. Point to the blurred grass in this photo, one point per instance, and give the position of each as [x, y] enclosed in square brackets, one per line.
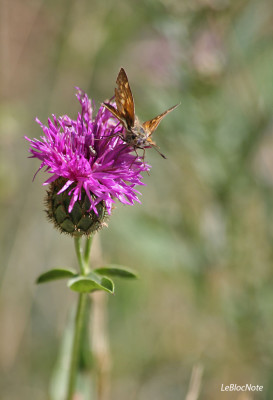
[202, 238]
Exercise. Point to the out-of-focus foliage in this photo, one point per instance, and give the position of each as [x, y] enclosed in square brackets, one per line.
[202, 240]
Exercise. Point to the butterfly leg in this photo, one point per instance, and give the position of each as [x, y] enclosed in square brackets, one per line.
[143, 158]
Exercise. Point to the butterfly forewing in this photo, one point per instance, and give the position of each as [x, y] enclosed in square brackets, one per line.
[151, 125]
[124, 99]
[114, 112]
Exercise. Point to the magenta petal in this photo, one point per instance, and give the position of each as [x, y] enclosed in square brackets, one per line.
[68, 183]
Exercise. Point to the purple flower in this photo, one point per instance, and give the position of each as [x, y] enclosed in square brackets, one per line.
[90, 155]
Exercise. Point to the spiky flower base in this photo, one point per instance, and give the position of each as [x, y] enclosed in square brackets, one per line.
[80, 221]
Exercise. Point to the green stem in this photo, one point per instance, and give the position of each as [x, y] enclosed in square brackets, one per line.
[82, 301]
[77, 241]
[88, 245]
[81, 310]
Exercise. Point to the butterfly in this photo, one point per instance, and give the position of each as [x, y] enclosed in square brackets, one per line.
[137, 135]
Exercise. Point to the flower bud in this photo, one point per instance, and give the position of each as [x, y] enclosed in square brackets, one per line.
[81, 220]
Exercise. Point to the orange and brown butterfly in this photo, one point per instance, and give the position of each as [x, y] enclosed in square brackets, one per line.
[137, 135]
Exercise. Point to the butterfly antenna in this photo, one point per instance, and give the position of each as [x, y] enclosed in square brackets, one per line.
[157, 149]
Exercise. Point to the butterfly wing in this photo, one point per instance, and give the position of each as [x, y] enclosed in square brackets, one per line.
[114, 112]
[151, 125]
[124, 99]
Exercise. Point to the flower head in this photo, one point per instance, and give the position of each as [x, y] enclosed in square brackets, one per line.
[89, 154]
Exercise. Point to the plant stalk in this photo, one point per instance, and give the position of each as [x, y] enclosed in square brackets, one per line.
[83, 261]
[82, 300]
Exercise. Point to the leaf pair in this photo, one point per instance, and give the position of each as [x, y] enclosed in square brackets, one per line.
[95, 280]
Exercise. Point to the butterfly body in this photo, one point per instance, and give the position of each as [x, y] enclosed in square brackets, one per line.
[136, 135]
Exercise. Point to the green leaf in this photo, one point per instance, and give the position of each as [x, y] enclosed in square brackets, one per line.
[56, 273]
[117, 270]
[90, 283]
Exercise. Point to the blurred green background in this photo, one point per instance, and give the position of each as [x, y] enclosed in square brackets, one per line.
[202, 239]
